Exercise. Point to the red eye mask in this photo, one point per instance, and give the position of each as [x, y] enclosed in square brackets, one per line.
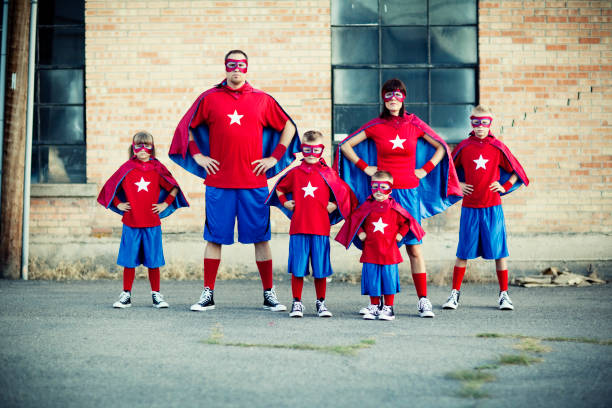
[139, 147]
[383, 187]
[484, 121]
[397, 94]
[312, 150]
[232, 64]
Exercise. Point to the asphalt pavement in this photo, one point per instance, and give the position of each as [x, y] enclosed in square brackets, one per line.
[63, 345]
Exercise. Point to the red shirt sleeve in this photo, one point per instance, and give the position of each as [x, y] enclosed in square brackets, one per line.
[457, 160]
[403, 225]
[286, 184]
[274, 116]
[504, 163]
[165, 184]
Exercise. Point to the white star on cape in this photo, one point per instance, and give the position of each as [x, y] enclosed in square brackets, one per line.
[309, 190]
[235, 117]
[379, 225]
[480, 163]
[397, 142]
[142, 184]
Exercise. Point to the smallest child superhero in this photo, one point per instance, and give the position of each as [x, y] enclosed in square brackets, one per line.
[143, 191]
[376, 227]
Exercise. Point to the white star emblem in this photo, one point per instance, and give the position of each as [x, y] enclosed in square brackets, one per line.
[480, 163]
[309, 190]
[235, 117]
[397, 142]
[142, 184]
[379, 225]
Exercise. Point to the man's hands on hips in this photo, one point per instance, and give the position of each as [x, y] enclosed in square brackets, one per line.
[263, 165]
[208, 163]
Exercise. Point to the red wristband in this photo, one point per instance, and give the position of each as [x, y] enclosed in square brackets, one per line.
[282, 199]
[279, 151]
[193, 148]
[169, 199]
[507, 185]
[116, 201]
[429, 166]
[361, 165]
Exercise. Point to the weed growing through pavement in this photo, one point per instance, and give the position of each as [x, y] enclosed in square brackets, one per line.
[532, 345]
[472, 382]
[518, 359]
[587, 340]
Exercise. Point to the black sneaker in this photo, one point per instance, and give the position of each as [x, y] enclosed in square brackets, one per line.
[271, 301]
[158, 300]
[206, 302]
[322, 310]
[297, 309]
[125, 300]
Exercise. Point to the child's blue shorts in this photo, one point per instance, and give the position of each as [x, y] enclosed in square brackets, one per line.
[411, 201]
[224, 205]
[303, 247]
[482, 232]
[141, 246]
[377, 280]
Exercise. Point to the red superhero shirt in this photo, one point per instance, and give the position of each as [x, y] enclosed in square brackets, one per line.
[141, 187]
[311, 194]
[396, 141]
[481, 162]
[235, 119]
[381, 227]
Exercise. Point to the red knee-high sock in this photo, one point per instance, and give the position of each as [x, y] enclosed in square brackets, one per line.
[420, 284]
[128, 278]
[502, 277]
[389, 299]
[154, 279]
[265, 271]
[374, 300]
[458, 273]
[297, 284]
[320, 287]
[211, 267]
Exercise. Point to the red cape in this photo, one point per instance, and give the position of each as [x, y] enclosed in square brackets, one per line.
[345, 198]
[109, 190]
[348, 232]
[514, 163]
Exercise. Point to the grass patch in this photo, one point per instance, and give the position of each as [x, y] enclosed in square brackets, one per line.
[518, 359]
[471, 376]
[532, 345]
[587, 340]
[473, 391]
[344, 350]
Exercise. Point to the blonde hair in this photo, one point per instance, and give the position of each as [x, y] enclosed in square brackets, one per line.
[142, 137]
[383, 175]
[482, 110]
[312, 136]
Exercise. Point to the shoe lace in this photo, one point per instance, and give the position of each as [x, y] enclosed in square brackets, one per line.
[270, 296]
[124, 297]
[503, 297]
[297, 307]
[453, 296]
[386, 309]
[206, 296]
[373, 309]
[424, 304]
[321, 307]
[158, 297]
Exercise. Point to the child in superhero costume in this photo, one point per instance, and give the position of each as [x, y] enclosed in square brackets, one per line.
[314, 197]
[377, 227]
[143, 191]
[487, 170]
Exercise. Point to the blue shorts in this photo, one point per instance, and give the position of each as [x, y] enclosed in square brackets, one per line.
[377, 280]
[411, 201]
[141, 246]
[224, 205]
[303, 247]
[482, 232]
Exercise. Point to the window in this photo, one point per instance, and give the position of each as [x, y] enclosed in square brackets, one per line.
[431, 45]
[58, 145]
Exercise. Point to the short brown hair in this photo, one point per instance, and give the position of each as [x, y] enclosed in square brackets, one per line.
[312, 136]
[142, 137]
[482, 110]
[236, 52]
[384, 175]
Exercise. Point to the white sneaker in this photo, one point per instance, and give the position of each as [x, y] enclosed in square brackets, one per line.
[372, 312]
[386, 313]
[453, 300]
[271, 301]
[206, 302]
[425, 308]
[504, 301]
[297, 309]
[364, 310]
[125, 300]
[322, 309]
[158, 300]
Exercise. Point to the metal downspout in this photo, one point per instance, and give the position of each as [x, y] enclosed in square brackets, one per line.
[5, 7]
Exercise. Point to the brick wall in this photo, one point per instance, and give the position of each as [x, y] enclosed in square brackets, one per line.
[545, 69]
